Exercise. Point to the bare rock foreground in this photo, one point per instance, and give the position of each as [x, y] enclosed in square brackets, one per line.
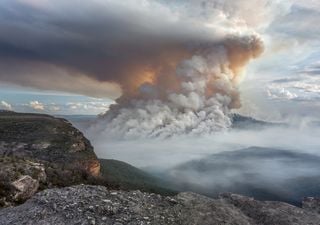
[85, 204]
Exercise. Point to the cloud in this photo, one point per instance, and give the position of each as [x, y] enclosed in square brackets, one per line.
[68, 108]
[291, 25]
[254, 13]
[37, 105]
[301, 87]
[5, 105]
[88, 106]
[291, 41]
[287, 80]
[281, 94]
[53, 108]
[312, 69]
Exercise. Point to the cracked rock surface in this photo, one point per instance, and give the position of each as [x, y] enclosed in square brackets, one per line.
[85, 204]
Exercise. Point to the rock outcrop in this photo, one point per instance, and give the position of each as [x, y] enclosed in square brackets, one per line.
[19, 179]
[38, 152]
[46, 138]
[97, 205]
[25, 187]
[93, 167]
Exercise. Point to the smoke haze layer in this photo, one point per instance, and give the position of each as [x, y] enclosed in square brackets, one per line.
[284, 167]
[157, 153]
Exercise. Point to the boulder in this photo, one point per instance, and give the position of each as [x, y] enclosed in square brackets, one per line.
[25, 187]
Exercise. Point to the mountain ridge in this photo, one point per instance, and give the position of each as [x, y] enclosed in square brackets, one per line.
[264, 173]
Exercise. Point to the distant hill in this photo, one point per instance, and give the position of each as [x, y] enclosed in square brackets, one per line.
[82, 122]
[131, 178]
[246, 122]
[263, 173]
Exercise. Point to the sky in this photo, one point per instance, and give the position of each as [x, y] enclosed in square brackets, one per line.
[76, 57]
[22, 99]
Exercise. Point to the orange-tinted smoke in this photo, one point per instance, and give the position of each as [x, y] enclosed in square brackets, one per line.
[161, 72]
[241, 52]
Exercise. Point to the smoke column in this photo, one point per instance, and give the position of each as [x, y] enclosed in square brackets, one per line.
[176, 65]
[190, 94]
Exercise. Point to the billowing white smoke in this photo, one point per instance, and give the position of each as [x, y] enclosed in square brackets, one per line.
[200, 103]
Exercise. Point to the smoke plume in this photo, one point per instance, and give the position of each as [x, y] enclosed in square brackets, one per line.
[176, 65]
[192, 94]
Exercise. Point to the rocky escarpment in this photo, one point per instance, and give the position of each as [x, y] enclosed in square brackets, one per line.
[97, 205]
[38, 152]
[45, 138]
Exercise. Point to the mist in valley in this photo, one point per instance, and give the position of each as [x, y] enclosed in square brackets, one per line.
[269, 162]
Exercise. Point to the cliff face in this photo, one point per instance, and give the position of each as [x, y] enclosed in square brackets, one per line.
[45, 138]
[39, 152]
[98, 205]
[93, 167]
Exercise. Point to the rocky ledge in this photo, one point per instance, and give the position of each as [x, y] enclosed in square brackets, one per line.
[45, 138]
[40, 151]
[85, 204]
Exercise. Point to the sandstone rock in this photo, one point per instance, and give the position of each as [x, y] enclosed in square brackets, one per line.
[93, 167]
[25, 187]
[18, 179]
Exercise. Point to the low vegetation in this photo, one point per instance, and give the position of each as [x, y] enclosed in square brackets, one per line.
[131, 178]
